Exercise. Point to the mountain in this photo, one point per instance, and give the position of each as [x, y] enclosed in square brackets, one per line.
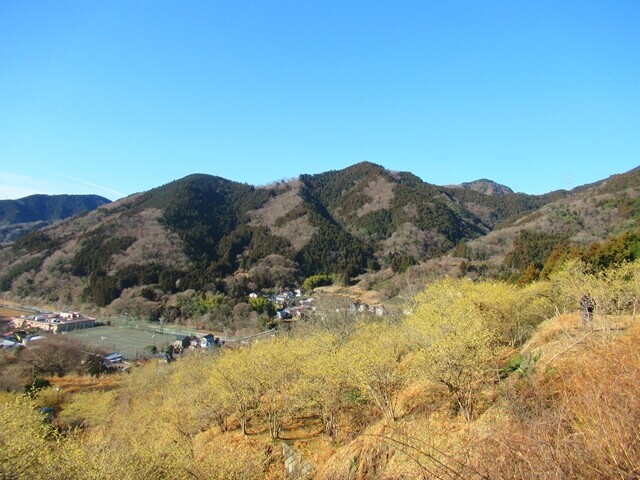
[587, 215]
[488, 187]
[18, 217]
[209, 234]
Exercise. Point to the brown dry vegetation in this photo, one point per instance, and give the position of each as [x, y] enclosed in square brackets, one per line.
[424, 396]
[590, 215]
[74, 383]
[298, 230]
[276, 207]
[8, 312]
[381, 192]
[153, 243]
[577, 418]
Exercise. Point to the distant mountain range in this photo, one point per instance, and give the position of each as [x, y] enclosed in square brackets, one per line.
[206, 233]
[18, 217]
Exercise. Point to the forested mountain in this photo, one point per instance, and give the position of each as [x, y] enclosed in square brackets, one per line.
[206, 234]
[589, 217]
[18, 217]
[488, 187]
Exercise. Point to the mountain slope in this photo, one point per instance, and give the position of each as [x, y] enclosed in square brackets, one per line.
[17, 217]
[488, 187]
[210, 234]
[586, 214]
[47, 208]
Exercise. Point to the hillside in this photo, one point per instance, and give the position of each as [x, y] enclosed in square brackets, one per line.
[586, 215]
[488, 187]
[477, 380]
[204, 234]
[18, 217]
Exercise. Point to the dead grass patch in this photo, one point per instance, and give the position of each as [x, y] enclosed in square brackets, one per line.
[70, 384]
[582, 421]
[7, 312]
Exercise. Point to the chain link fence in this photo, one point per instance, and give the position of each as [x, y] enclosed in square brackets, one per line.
[151, 327]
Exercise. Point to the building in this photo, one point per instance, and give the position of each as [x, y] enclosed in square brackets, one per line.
[55, 322]
[209, 341]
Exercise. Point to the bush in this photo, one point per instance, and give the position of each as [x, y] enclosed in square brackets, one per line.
[36, 385]
[317, 281]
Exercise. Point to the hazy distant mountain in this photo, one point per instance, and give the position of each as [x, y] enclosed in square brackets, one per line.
[18, 217]
[206, 233]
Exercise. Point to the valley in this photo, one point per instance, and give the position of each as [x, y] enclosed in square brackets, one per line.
[409, 331]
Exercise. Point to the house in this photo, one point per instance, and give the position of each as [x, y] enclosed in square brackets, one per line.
[112, 358]
[115, 361]
[7, 343]
[209, 341]
[176, 346]
[283, 314]
[357, 307]
[285, 297]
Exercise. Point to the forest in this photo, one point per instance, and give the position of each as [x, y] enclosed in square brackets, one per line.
[366, 226]
[484, 379]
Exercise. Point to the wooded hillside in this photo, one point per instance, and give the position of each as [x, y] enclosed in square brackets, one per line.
[204, 235]
[476, 380]
[18, 217]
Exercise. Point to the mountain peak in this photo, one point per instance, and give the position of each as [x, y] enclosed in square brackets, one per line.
[487, 187]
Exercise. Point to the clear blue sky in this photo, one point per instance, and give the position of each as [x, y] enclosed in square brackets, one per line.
[115, 97]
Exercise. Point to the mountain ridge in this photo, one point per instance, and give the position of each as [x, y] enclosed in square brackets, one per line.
[206, 233]
[22, 215]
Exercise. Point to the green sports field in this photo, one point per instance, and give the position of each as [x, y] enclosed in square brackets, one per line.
[130, 342]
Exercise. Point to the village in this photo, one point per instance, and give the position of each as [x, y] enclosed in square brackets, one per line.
[120, 343]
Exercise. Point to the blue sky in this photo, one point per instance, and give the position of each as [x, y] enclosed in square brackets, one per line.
[115, 97]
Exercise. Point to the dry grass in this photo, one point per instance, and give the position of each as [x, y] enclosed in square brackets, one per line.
[7, 312]
[577, 415]
[562, 335]
[370, 297]
[577, 418]
[70, 384]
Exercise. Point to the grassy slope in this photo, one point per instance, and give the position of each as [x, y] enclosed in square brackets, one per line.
[579, 403]
[572, 416]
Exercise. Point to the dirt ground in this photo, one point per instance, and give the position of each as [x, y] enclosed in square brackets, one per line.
[6, 312]
[352, 293]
